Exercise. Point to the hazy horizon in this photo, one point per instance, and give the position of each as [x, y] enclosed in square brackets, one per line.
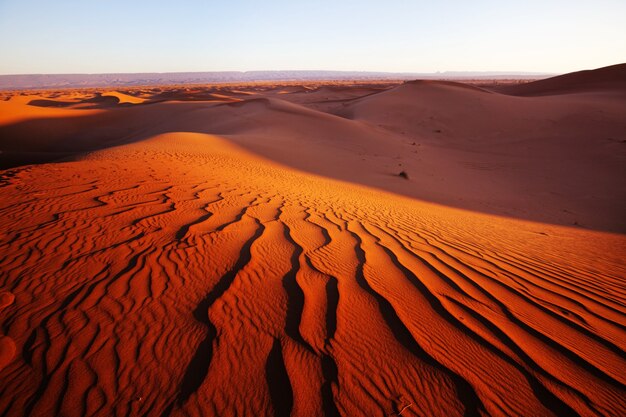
[302, 70]
[73, 37]
[35, 81]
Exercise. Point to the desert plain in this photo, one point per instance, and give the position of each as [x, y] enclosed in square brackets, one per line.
[421, 248]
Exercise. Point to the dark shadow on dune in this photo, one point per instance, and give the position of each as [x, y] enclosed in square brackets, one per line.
[50, 103]
[330, 373]
[465, 391]
[281, 392]
[13, 159]
[103, 101]
[198, 368]
[97, 102]
[58, 139]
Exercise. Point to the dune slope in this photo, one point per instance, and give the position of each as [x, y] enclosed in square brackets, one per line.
[609, 79]
[181, 275]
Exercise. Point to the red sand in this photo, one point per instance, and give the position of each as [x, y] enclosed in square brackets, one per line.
[252, 250]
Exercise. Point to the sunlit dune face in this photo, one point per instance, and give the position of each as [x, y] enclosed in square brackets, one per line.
[124, 98]
[254, 250]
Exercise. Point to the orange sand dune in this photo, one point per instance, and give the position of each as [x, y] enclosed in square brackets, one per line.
[259, 255]
[124, 98]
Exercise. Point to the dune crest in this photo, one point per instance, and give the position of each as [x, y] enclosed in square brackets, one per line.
[611, 79]
[124, 98]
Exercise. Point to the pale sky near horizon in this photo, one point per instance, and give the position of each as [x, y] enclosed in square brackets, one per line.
[88, 36]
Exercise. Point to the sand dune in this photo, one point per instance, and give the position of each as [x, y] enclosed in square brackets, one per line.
[609, 79]
[257, 254]
[124, 98]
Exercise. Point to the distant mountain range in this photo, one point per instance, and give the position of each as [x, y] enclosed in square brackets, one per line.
[39, 81]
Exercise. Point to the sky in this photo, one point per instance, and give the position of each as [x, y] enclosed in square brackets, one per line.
[97, 36]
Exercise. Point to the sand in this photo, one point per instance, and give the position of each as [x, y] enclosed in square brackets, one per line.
[253, 250]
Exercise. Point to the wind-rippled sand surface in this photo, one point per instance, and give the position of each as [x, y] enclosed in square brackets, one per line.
[180, 272]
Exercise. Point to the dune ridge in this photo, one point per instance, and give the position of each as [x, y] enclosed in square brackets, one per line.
[225, 261]
[611, 79]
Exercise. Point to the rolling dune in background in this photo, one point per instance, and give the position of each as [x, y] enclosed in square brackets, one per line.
[254, 250]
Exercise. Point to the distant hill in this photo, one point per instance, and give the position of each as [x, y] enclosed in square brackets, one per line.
[612, 78]
[38, 81]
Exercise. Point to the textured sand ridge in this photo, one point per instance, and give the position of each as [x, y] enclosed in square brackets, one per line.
[180, 272]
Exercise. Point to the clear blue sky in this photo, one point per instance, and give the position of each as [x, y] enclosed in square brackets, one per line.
[93, 36]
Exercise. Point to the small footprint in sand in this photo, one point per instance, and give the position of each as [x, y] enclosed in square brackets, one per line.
[7, 345]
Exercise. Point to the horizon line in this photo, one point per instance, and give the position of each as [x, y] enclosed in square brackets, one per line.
[512, 72]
